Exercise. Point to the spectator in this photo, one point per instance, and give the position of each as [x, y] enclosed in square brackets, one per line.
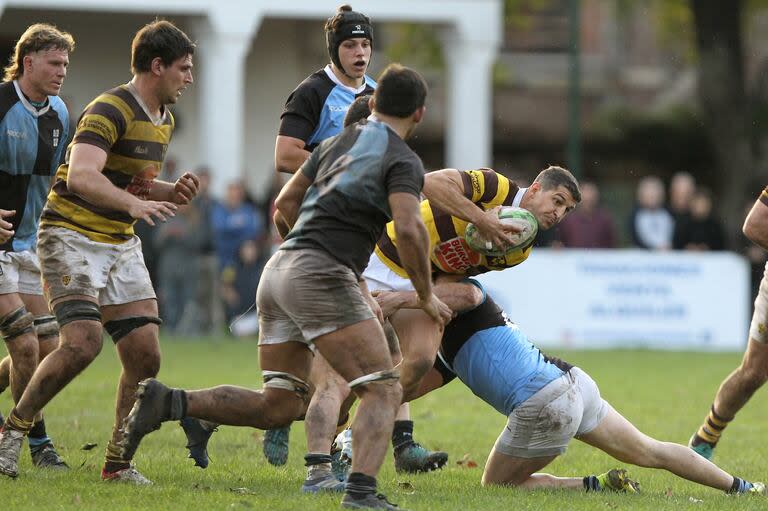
[182, 238]
[589, 225]
[238, 288]
[651, 225]
[701, 230]
[682, 188]
[234, 221]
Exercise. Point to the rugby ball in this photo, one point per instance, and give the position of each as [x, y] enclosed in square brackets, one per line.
[511, 215]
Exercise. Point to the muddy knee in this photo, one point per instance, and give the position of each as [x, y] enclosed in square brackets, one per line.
[287, 397]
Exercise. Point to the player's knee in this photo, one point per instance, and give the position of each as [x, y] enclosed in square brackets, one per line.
[16, 324]
[282, 408]
[413, 371]
[148, 365]
[24, 354]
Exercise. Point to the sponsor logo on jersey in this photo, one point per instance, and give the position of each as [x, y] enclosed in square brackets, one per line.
[55, 134]
[454, 256]
[16, 134]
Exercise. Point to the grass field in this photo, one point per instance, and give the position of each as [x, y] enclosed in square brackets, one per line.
[664, 394]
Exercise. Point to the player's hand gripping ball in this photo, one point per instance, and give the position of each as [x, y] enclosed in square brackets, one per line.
[508, 214]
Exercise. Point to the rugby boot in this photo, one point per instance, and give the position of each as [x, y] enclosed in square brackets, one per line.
[370, 501]
[10, 447]
[275, 445]
[618, 480]
[155, 404]
[45, 456]
[323, 483]
[701, 447]
[414, 458]
[198, 433]
[758, 488]
[126, 475]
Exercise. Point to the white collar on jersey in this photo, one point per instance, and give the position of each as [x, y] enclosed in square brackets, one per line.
[157, 121]
[24, 101]
[336, 80]
[519, 196]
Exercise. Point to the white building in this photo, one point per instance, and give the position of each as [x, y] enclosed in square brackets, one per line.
[251, 54]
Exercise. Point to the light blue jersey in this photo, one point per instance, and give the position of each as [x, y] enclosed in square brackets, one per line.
[494, 358]
[32, 144]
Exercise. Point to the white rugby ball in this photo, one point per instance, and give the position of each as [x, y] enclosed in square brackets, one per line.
[508, 215]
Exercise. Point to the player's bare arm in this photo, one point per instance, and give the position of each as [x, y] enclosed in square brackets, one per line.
[289, 154]
[288, 201]
[458, 295]
[413, 250]
[6, 228]
[180, 192]
[85, 178]
[445, 189]
[756, 224]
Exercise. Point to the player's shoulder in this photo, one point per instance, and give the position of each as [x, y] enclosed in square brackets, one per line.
[316, 84]
[8, 97]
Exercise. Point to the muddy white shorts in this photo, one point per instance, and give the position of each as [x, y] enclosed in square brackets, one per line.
[20, 273]
[544, 424]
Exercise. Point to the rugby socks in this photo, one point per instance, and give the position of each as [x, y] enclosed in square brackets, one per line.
[402, 435]
[592, 483]
[711, 429]
[740, 486]
[37, 436]
[318, 465]
[114, 459]
[15, 422]
[360, 485]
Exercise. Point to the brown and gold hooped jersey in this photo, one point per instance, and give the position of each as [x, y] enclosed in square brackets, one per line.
[135, 146]
[449, 252]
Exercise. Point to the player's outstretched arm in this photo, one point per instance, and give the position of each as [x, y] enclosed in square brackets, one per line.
[756, 224]
[85, 178]
[6, 228]
[459, 296]
[445, 189]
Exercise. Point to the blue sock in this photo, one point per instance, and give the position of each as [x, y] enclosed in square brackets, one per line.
[740, 486]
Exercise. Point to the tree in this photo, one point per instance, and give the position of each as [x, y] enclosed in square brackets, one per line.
[723, 98]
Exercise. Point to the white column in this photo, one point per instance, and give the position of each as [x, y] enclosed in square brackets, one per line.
[223, 42]
[469, 101]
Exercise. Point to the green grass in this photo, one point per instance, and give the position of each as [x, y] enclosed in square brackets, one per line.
[664, 394]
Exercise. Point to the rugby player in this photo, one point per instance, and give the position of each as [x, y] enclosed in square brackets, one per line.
[92, 267]
[34, 128]
[311, 292]
[314, 112]
[547, 401]
[738, 387]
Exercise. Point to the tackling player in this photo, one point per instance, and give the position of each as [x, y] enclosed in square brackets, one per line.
[547, 402]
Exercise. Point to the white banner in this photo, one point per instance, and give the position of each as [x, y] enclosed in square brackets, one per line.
[628, 298]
